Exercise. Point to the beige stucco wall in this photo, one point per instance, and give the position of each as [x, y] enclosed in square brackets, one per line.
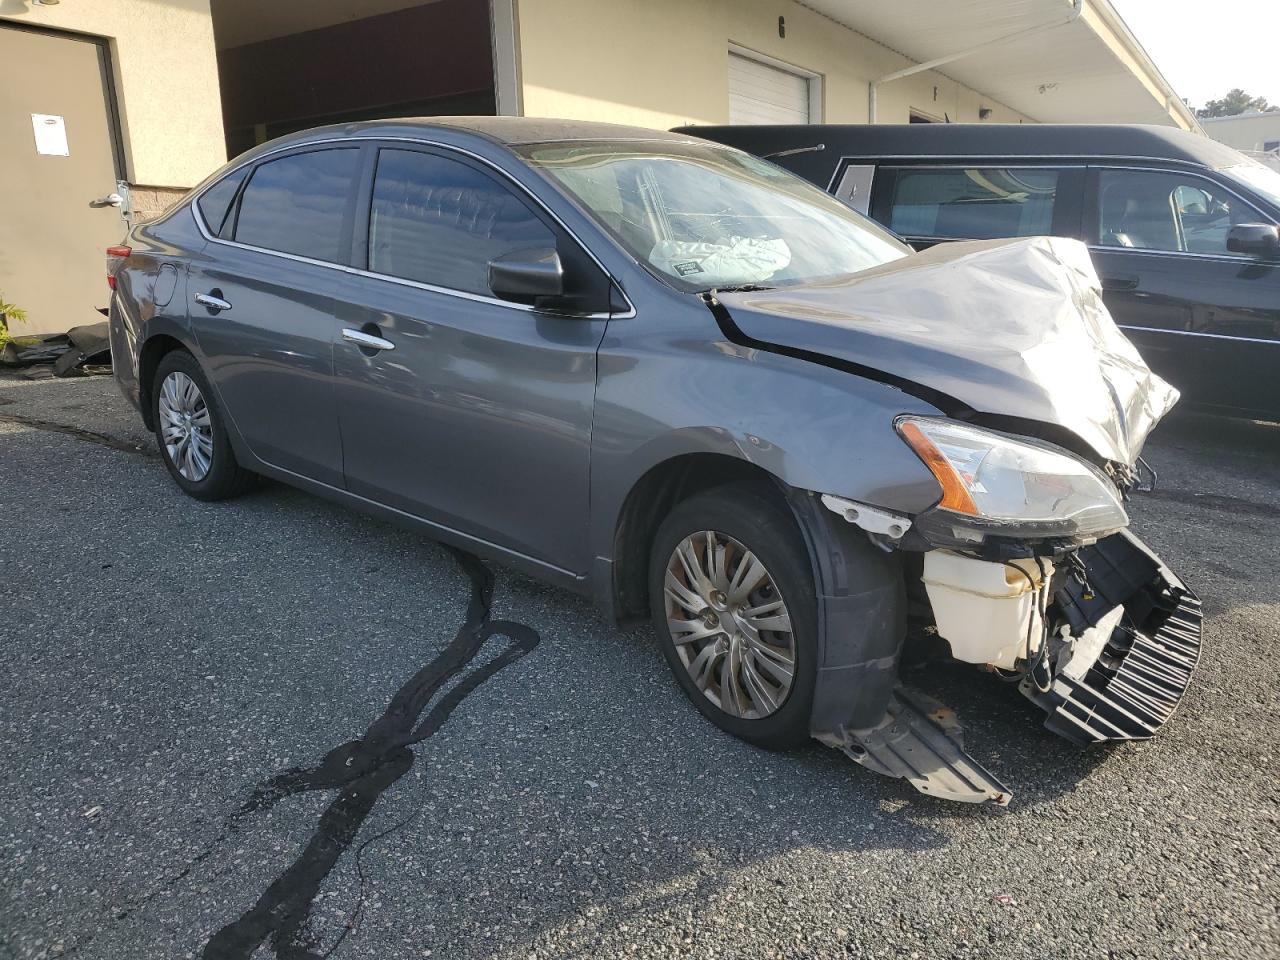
[166, 80]
[660, 63]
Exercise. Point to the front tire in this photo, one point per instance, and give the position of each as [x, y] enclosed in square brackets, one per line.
[190, 432]
[732, 600]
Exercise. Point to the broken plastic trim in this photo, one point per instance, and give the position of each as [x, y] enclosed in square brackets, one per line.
[869, 518]
[920, 741]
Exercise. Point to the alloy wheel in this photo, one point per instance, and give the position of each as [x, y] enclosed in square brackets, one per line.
[730, 625]
[185, 426]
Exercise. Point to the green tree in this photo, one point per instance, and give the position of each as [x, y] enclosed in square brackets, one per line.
[1235, 102]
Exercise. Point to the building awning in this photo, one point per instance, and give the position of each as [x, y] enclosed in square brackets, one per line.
[1088, 69]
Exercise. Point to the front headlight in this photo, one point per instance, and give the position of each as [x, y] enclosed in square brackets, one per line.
[1013, 488]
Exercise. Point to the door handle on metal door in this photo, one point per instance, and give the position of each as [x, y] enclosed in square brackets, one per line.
[366, 340]
[1120, 282]
[212, 301]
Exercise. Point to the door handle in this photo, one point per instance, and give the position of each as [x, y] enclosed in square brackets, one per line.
[368, 341]
[110, 200]
[1121, 282]
[212, 301]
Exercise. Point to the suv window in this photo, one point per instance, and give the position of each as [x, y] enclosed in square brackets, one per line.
[441, 221]
[297, 204]
[1153, 210]
[974, 203]
[216, 201]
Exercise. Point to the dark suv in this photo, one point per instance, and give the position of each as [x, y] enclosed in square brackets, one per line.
[1183, 230]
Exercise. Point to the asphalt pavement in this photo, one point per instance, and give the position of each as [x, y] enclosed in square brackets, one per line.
[186, 686]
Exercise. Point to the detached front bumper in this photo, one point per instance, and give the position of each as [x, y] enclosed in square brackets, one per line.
[1137, 679]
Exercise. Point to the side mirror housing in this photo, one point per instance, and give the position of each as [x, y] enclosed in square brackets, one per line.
[1254, 239]
[527, 276]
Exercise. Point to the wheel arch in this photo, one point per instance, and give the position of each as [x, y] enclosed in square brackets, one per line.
[155, 349]
[653, 496]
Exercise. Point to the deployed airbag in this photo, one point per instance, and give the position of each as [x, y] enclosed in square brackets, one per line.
[1013, 328]
[736, 261]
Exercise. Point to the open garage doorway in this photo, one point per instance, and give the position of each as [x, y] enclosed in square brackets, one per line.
[287, 65]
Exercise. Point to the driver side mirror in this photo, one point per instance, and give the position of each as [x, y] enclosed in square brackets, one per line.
[1254, 239]
[527, 276]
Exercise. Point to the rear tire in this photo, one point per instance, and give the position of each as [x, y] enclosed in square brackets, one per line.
[190, 431]
[739, 624]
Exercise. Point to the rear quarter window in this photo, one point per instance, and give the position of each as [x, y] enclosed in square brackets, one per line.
[973, 203]
[215, 202]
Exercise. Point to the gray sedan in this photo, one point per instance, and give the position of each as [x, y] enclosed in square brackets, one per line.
[685, 382]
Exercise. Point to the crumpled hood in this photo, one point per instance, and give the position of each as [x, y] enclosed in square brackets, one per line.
[1012, 328]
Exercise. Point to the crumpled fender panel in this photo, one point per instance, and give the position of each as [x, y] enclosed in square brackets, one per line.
[1140, 676]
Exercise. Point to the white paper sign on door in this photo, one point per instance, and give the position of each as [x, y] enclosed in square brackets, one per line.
[51, 135]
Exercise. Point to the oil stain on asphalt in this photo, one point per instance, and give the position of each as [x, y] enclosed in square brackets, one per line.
[362, 770]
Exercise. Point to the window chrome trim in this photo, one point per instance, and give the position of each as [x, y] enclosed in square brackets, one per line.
[503, 177]
[1197, 333]
[1055, 161]
[1237, 258]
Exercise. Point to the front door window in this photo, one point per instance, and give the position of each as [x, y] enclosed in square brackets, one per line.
[1172, 212]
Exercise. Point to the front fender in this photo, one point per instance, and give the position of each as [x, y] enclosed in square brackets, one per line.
[810, 427]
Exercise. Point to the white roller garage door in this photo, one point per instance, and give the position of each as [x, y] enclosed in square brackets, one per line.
[762, 93]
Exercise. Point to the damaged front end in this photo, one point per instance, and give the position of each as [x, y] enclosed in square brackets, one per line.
[1093, 627]
[1024, 566]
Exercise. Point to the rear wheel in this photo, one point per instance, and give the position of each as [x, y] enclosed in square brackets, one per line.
[189, 430]
[732, 599]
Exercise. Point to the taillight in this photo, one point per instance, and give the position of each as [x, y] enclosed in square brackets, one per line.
[116, 256]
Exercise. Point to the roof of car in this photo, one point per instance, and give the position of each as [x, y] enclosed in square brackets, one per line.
[507, 130]
[1130, 141]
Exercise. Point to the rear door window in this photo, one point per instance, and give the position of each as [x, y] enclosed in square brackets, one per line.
[299, 204]
[1171, 212]
[973, 203]
[440, 221]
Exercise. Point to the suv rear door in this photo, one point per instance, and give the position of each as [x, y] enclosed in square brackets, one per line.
[927, 203]
[1204, 318]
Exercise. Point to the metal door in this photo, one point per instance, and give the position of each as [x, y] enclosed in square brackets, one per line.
[56, 124]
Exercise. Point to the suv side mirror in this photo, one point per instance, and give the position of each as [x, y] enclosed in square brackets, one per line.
[1255, 239]
[527, 276]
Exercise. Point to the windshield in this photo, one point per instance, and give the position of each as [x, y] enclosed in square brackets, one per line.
[704, 217]
[1261, 180]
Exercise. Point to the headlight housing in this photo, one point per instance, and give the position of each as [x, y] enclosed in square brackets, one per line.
[1009, 487]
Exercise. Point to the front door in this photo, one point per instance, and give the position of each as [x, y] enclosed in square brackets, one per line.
[1204, 318]
[59, 157]
[465, 410]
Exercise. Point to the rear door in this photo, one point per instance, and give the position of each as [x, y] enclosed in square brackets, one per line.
[57, 129]
[1205, 319]
[262, 302]
[977, 200]
[475, 413]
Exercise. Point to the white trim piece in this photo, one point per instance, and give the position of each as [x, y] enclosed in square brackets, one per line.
[504, 37]
[1196, 333]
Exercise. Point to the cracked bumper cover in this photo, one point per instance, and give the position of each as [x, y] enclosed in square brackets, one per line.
[1139, 677]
